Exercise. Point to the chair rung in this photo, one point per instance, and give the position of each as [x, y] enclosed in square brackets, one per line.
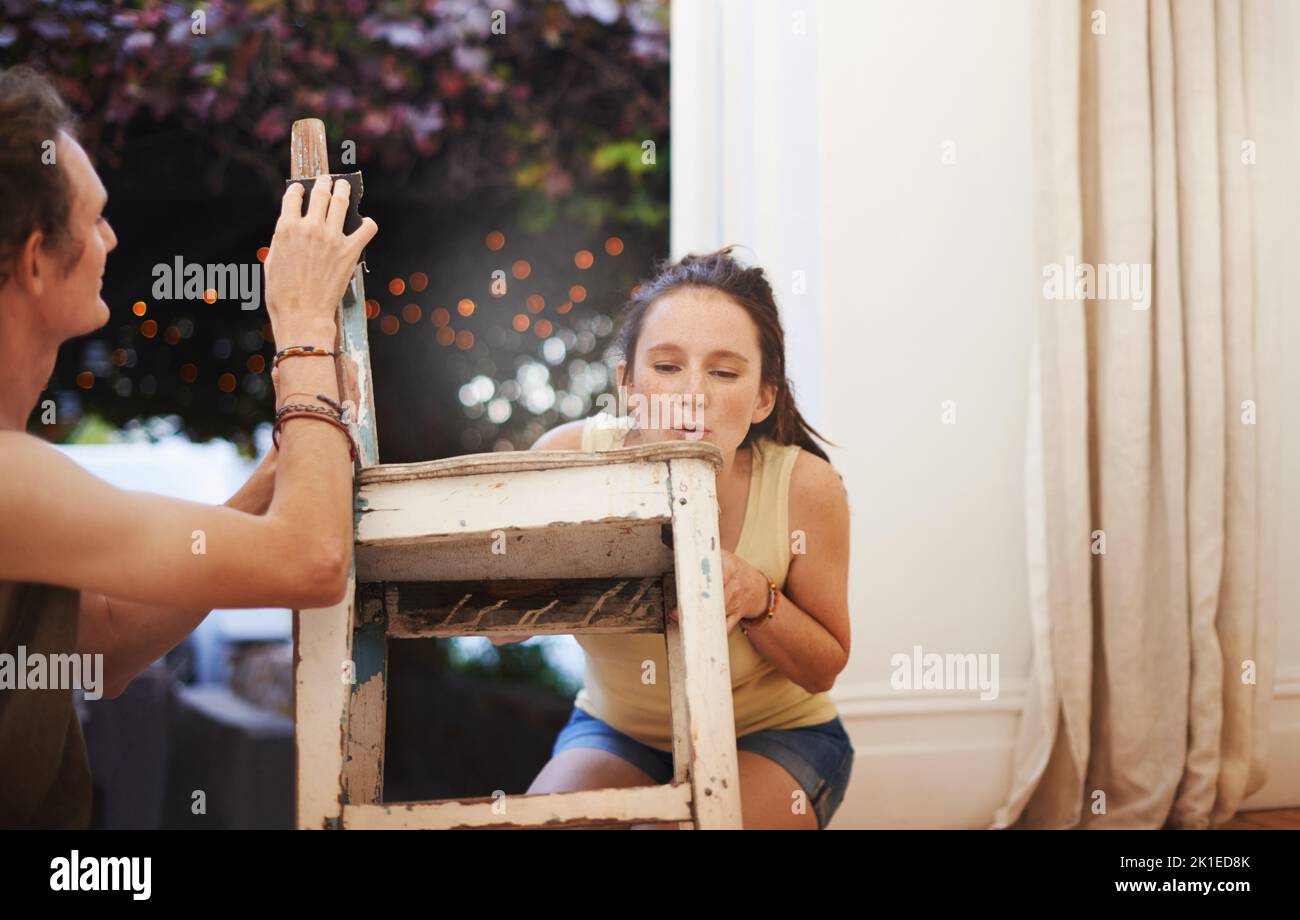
[536, 606]
[634, 805]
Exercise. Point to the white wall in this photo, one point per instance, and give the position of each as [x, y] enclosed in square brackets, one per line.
[822, 150]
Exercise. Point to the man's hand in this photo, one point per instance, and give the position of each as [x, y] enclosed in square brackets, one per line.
[311, 261]
[744, 587]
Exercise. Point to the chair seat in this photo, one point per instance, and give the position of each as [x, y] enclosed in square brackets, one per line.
[511, 515]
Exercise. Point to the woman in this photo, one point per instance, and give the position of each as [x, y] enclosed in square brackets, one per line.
[706, 333]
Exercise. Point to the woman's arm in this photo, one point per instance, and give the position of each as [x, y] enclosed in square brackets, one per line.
[808, 638]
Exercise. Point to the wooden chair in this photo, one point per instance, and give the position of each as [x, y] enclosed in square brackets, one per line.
[541, 542]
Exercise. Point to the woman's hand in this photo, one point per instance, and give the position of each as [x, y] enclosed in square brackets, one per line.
[744, 587]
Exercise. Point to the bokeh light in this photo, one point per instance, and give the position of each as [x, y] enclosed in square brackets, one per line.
[419, 281]
[613, 246]
[521, 269]
[583, 259]
[465, 307]
[496, 240]
[389, 325]
[397, 287]
[139, 308]
[412, 313]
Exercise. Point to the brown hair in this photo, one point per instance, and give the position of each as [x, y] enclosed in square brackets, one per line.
[36, 196]
[749, 287]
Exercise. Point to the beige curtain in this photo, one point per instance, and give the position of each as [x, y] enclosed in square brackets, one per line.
[1149, 432]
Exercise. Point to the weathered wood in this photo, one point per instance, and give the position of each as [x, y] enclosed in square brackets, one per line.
[519, 461]
[596, 807]
[676, 686]
[538, 607]
[705, 658]
[322, 646]
[425, 510]
[308, 150]
[608, 549]
[363, 763]
[676, 692]
[323, 639]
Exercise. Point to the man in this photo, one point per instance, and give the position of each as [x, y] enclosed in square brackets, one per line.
[88, 568]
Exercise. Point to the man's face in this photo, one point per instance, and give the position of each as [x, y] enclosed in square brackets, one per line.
[71, 304]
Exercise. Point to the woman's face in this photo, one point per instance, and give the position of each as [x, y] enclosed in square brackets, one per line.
[697, 368]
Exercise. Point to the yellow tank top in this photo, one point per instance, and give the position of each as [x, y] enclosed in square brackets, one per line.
[617, 688]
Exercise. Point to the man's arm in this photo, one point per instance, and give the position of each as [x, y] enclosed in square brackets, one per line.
[131, 635]
[61, 525]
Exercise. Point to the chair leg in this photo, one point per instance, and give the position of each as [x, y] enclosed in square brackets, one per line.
[363, 762]
[322, 641]
[705, 663]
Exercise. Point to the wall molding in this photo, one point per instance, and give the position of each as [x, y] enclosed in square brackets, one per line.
[942, 759]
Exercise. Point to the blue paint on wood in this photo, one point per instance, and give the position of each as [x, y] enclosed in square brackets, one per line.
[355, 343]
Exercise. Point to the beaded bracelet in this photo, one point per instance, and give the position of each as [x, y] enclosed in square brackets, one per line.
[281, 418]
[301, 351]
[771, 610]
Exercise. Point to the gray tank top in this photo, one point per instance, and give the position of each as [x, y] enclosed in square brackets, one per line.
[44, 772]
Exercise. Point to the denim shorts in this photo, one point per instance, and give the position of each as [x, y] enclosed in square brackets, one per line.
[819, 757]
